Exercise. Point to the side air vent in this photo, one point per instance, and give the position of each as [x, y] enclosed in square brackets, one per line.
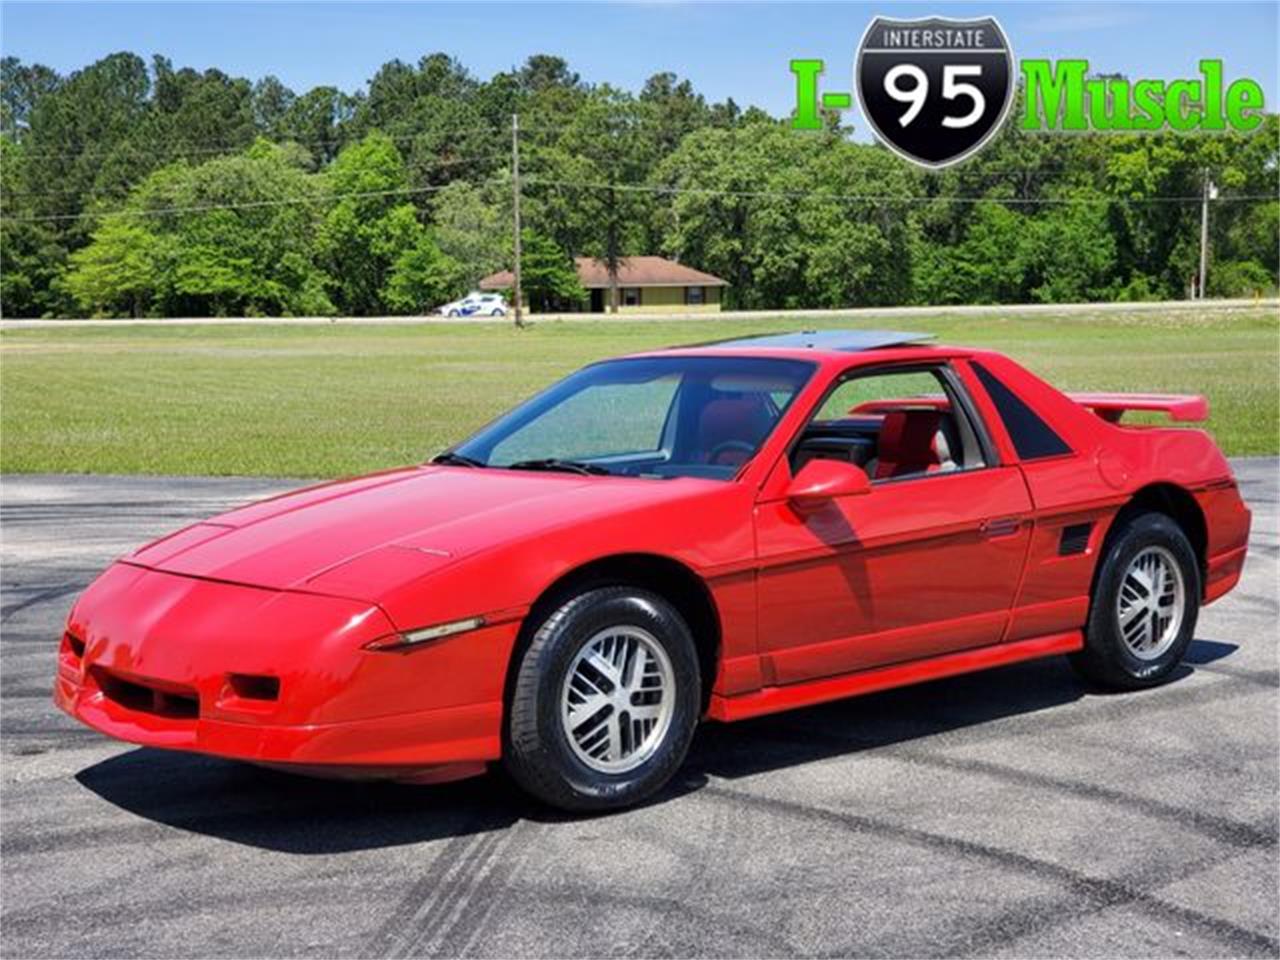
[1075, 539]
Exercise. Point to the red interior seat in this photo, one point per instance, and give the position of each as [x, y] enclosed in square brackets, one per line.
[912, 441]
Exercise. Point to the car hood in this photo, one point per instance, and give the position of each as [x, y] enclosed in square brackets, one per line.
[339, 538]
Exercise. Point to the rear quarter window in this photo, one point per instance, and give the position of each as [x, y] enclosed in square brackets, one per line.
[1032, 438]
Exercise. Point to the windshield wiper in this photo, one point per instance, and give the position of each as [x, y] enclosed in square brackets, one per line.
[554, 463]
[458, 460]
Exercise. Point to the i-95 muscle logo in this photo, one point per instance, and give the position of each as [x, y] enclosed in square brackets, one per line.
[934, 90]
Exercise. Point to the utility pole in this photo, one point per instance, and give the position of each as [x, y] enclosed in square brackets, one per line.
[1209, 192]
[515, 196]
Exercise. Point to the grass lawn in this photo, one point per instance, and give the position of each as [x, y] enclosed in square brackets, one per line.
[322, 401]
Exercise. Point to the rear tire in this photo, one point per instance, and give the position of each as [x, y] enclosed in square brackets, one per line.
[605, 701]
[1146, 599]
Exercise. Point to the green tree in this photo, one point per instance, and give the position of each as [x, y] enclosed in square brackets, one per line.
[547, 275]
[1071, 253]
[369, 224]
[79, 131]
[272, 101]
[21, 88]
[233, 235]
[988, 265]
[119, 272]
[318, 120]
[422, 277]
[31, 257]
[473, 228]
[434, 114]
[789, 221]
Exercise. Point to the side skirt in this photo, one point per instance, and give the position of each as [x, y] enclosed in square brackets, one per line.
[777, 699]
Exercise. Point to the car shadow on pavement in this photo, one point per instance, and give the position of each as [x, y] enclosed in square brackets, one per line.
[295, 814]
[292, 814]
[878, 720]
[1207, 651]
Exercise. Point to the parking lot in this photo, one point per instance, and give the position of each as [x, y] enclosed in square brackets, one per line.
[1011, 813]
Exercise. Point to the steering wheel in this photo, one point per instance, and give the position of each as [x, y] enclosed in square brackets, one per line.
[727, 446]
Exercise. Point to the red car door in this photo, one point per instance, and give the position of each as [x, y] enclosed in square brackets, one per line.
[922, 565]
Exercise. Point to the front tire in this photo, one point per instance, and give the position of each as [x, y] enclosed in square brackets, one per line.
[1146, 599]
[605, 701]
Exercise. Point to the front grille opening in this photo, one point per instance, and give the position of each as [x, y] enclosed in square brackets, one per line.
[248, 686]
[172, 704]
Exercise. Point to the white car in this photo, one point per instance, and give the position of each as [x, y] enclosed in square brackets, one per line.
[476, 304]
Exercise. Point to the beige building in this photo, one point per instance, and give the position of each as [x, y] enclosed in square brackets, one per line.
[645, 285]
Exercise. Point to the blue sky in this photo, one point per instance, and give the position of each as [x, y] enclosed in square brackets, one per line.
[737, 50]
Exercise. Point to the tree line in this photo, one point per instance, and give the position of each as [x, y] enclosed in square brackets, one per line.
[136, 189]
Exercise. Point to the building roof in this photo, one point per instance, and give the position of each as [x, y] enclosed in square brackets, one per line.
[632, 272]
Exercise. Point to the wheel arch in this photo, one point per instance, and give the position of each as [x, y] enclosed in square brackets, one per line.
[1179, 505]
[670, 579]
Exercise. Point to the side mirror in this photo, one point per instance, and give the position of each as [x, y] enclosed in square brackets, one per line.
[821, 480]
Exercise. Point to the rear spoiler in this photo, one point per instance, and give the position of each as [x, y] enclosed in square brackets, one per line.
[1184, 407]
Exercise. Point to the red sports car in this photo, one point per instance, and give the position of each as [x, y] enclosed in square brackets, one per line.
[718, 531]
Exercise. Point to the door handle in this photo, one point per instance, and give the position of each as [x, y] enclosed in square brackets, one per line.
[1000, 527]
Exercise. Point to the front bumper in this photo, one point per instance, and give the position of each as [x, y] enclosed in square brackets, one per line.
[397, 744]
[154, 658]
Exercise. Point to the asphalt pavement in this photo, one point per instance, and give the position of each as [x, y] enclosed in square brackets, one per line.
[1011, 813]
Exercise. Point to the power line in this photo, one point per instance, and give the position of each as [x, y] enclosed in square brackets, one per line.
[245, 205]
[878, 198]
[177, 151]
[643, 188]
[449, 162]
[340, 139]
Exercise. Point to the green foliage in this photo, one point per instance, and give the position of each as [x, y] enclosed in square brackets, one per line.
[31, 258]
[1070, 254]
[474, 229]
[392, 198]
[1241, 278]
[547, 275]
[770, 211]
[366, 231]
[119, 272]
[380, 255]
[208, 240]
[422, 276]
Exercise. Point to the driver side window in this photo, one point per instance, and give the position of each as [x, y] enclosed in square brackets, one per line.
[895, 425]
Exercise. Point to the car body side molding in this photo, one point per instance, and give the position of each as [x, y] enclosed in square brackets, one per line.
[777, 699]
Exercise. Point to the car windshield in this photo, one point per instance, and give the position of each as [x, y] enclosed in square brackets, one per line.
[661, 417]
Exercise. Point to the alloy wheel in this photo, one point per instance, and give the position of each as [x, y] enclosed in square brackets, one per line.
[1151, 603]
[618, 699]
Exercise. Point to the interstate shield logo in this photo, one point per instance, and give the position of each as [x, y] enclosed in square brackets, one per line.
[934, 90]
